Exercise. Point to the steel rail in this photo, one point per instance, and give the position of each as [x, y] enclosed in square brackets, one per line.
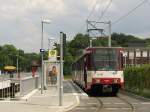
[127, 102]
[100, 104]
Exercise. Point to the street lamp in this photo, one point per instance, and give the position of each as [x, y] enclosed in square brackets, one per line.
[46, 21]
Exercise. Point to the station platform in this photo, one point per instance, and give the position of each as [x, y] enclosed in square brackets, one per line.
[46, 102]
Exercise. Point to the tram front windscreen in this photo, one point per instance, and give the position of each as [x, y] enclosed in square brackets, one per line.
[105, 59]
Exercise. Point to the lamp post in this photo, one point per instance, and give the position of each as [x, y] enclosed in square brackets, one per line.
[17, 68]
[60, 84]
[46, 21]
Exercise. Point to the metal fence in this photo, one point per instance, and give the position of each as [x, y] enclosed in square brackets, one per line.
[28, 84]
[15, 88]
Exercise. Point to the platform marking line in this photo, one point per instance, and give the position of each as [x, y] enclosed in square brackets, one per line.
[92, 103]
[80, 108]
[126, 108]
[26, 97]
[107, 103]
[45, 96]
[143, 108]
[134, 103]
[83, 108]
[145, 103]
[117, 108]
[112, 108]
[119, 103]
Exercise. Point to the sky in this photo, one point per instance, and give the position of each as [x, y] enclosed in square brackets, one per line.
[20, 21]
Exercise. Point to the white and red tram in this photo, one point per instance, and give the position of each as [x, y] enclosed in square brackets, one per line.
[100, 69]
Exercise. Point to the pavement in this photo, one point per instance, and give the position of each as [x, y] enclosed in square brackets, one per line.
[46, 102]
[74, 100]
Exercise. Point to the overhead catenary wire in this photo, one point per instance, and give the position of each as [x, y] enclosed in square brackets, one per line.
[105, 10]
[128, 13]
[89, 15]
[93, 9]
[103, 13]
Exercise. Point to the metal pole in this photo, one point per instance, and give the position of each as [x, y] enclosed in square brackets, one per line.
[90, 42]
[61, 70]
[17, 66]
[42, 61]
[109, 39]
[49, 44]
[88, 32]
[87, 28]
[125, 61]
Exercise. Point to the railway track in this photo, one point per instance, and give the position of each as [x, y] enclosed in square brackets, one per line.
[102, 105]
[121, 103]
[130, 104]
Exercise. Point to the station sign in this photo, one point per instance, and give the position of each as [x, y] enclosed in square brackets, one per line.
[52, 55]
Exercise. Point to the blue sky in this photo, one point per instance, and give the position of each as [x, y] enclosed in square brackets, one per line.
[20, 21]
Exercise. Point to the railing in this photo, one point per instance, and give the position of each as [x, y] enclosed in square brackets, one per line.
[28, 84]
[15, 88]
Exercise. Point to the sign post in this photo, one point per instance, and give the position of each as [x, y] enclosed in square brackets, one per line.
[42, 52]
[60, 85]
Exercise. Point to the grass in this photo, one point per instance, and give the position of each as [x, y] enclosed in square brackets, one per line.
[145, 94]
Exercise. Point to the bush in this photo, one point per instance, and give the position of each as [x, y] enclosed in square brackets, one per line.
[137, 79]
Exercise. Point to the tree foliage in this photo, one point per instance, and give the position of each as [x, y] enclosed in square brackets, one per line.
[9, 55]
[74, 48]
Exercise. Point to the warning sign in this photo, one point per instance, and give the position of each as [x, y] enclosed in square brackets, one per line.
[52, 54]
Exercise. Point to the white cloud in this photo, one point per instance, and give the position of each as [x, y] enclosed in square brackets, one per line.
[21, 19]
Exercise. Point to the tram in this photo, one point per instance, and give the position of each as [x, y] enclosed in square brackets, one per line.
[100, 70]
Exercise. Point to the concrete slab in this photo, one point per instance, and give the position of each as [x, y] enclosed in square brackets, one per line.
[46, 102]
